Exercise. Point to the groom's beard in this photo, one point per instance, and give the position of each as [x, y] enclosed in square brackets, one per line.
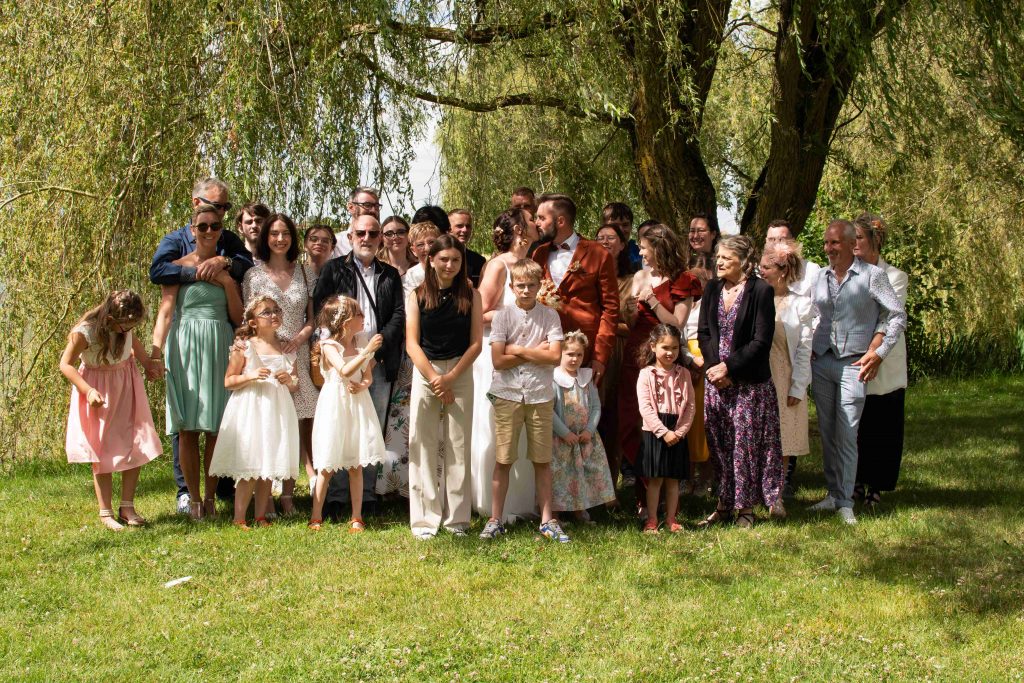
[546, 238]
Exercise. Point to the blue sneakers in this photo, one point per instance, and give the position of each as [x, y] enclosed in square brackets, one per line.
[492, 530]
[553, 530]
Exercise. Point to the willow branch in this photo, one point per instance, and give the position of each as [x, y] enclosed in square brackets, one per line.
[501, 102]
[474, 34]
[50, 188]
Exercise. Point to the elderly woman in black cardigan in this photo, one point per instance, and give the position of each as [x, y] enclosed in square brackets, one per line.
[741, 412]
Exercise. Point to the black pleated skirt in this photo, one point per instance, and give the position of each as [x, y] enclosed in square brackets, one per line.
[658, 459]
[880, 440]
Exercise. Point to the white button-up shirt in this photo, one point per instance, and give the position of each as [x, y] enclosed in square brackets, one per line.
[559, 258]
[365, 303]
[528, 383]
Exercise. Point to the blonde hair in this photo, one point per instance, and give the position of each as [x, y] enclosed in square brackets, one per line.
[874, 227]
[337, 311]
[246, 330]
[575, 337]
[122, 306]
[786, 255]
[525, 269]
[422, 229]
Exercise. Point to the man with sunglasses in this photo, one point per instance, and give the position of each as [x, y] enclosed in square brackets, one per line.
[377, 287]
[363, 201]
[231, 253]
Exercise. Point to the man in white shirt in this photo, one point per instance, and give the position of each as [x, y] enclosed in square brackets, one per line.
[363, 201]
[780, 230]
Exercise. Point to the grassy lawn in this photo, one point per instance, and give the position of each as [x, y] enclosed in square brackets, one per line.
[930, 588]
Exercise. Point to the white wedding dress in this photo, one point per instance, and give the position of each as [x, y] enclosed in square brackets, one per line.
[521, 501]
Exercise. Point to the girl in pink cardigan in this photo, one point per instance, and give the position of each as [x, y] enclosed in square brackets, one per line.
[666, 398]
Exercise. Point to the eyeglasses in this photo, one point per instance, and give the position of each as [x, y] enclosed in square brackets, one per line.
[607, 238]
[206, 227]
[392, 234]
[269, 313]
[319, 240]
[367, 205]
[225, 206]
[372, 234]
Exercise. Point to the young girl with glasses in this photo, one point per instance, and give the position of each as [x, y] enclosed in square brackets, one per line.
[259, 434]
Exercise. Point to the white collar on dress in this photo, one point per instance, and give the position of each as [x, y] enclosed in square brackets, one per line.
[567, 381]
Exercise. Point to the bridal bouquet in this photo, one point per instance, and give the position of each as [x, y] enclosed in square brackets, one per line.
[548, 295]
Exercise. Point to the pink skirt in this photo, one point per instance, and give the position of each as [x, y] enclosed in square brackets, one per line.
[117, 436]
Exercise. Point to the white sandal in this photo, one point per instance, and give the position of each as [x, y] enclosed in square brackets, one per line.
[133, 519]
[110, 521]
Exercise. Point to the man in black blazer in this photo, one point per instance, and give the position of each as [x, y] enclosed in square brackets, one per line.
[377, 287]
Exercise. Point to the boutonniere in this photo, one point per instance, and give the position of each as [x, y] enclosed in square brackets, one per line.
[574, 267]
[548, 294]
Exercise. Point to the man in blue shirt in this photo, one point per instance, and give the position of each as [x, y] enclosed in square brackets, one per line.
[163, 271]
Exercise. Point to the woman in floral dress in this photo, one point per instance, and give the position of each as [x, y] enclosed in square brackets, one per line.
[741, 411]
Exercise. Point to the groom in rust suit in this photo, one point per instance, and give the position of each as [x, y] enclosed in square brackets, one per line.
[583, 274]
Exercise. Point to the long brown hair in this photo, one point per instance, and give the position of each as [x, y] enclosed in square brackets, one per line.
[122, 306]
[671, 254]
[336, 311]
[428, 294]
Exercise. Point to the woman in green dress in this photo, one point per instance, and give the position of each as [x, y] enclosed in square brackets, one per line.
[195, 321]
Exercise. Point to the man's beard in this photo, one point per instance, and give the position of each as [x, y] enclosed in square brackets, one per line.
[546, 238]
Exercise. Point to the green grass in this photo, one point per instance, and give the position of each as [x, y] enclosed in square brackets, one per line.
[932, 588]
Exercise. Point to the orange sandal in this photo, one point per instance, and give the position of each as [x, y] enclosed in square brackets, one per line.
[650, 527]
[673, 526]
[261, 522]
[315, 524]
[356, 526]
[242, 526]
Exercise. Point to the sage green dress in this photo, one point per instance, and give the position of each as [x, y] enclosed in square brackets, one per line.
[197, 359]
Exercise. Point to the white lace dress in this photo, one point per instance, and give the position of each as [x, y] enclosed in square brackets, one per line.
[292, 301]
[346, 431]
[521, 500]
[259, 433]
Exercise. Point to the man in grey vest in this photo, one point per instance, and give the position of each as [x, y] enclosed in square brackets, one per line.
[860, 320]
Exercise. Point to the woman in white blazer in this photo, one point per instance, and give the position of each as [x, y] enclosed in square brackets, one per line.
[880, 434]
[790, 356]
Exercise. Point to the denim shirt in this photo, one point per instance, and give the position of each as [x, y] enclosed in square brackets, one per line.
[174, 245]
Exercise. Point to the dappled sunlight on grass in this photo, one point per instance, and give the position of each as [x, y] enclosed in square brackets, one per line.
[931, 587]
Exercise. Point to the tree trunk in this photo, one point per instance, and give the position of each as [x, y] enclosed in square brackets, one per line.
[811, 82]
[674, 182]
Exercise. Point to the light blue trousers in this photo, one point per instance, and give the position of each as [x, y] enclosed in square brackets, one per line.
[839, 398]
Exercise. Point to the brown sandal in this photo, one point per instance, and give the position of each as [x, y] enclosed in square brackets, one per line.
[717, 517]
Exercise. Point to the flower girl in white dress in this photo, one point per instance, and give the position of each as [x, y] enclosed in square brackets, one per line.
[259, 433]
[346, 431]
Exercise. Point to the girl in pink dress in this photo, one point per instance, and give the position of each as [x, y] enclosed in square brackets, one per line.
[109, 422]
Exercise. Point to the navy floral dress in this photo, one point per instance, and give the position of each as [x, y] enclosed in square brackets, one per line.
[742, 425]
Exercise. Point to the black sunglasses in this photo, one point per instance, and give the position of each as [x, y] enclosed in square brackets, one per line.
[205, 227]
[372, 234]
[226, 206]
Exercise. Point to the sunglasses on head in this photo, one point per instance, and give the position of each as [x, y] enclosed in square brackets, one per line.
[206, 227]
[220, 206]
[372, 234]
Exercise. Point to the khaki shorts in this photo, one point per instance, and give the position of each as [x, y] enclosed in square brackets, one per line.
[509, 419]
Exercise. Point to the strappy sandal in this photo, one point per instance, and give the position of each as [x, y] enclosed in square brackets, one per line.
[261, 522]
[356, 526]
[859, 493]
[872, 501]
[650, 527]
[242, 526]
[132, 518]
[195, 510]
[717, 517]
[745, 520]
[315, 524]
[673, 526]
[110, 521]
[209, 507]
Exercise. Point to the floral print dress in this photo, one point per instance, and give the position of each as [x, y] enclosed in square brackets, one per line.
[580, 475]
[742, 425]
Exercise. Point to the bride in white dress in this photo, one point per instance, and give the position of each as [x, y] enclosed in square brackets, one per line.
[514, 231]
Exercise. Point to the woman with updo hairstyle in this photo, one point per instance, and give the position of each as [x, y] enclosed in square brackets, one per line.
[512, 233]
[790, 357]
[662, 293]
[741, 411]
[880, 434]
[611, 237]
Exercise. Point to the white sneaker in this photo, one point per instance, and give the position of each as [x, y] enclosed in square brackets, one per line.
[847, 516]
[827, 504]
[183, 501]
